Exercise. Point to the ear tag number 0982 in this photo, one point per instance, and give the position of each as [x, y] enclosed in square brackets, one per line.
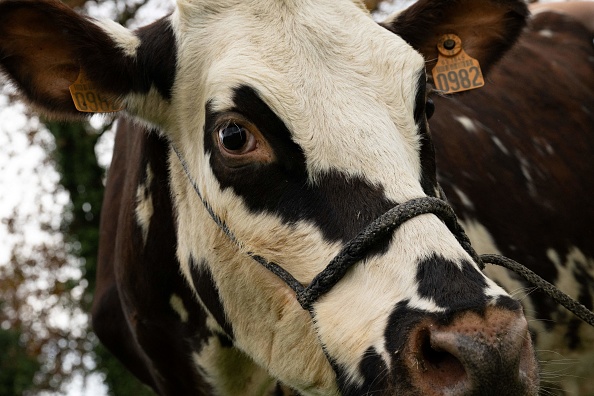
[455, 70]
[87, 98]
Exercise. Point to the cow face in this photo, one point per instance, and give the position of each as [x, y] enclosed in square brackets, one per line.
[293, 125]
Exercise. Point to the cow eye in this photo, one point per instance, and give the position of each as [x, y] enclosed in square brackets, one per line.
[236, 139]
[429, 108]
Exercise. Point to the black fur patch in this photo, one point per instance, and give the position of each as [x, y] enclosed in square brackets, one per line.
[154, 64]
[402, 320]
[420, 99]
[427, 152]
[156, 58]
[340, 205]
[209, 294]
[375, 373]
[450, 287]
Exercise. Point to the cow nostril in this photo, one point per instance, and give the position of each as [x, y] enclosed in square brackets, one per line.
[440, 367]
[472, 354]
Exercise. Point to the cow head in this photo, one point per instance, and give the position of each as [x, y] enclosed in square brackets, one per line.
[296, 124]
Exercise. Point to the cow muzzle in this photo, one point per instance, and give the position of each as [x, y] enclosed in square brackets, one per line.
[487, 354]
[468, 356]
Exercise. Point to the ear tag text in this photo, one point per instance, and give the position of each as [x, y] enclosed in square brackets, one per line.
[87, 98]
[455, 70]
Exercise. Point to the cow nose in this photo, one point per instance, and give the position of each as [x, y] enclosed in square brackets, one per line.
[475, 354]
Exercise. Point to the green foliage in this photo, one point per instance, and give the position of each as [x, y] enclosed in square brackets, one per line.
[17, 366]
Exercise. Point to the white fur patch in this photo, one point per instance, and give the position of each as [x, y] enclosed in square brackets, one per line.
[526, 168]
[123, 38]
[464, 198]
[467, 123]
[282, 339]
[144, 204]
[500, 145]
[177, 304]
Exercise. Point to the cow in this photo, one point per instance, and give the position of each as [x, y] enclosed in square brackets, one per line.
[514, 159]
[261, 138]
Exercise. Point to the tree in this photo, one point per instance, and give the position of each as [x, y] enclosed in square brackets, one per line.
[17, 366]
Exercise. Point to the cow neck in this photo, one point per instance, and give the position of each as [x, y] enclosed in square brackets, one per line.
[383, 227]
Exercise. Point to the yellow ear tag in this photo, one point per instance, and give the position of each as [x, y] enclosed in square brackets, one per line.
[87, 99]
[455, 70]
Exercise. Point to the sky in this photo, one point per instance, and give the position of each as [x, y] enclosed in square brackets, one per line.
[26, 180]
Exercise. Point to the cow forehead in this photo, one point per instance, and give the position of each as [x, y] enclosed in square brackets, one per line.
[295, 53]
[344, 86]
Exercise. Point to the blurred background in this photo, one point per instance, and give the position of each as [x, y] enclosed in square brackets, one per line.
[51, 187]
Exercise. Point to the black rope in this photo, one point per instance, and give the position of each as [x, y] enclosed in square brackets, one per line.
[279, 271]
[572, 305]
[356, 249]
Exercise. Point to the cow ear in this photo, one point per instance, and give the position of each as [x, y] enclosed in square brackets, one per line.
[487, 28]
[45, 47]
